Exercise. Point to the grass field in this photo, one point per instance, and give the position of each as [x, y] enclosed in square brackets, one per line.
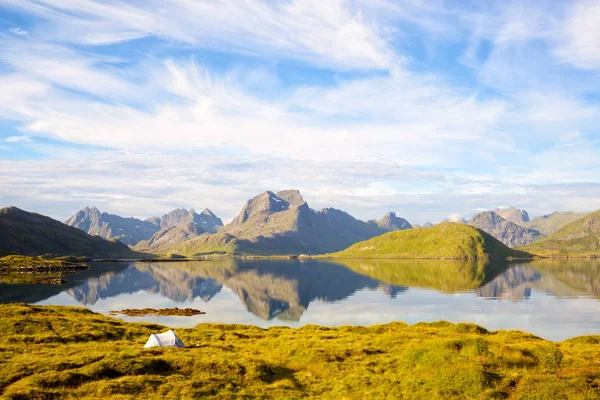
[58, 352]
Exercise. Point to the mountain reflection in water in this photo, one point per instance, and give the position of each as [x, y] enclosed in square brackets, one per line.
[340, 291]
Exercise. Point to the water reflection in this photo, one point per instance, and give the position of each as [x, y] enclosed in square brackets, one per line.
[293, 292]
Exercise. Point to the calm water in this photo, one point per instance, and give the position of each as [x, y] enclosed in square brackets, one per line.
[552, 299]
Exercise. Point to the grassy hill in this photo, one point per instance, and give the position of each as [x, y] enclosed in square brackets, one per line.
[578, 238]
[446, 240]
[32, 234]
[60, 352]
[548, 224]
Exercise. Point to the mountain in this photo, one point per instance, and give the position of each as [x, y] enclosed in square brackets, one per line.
[169, 237]
[206, 220]
[22, 232]
[427, 225]
[513, 214]
[507, 232]
[578, 238]
[132, 231]
[547, 224]
[109, 226]
[456, 218]
[282, 223]
[390, 222]
[446, 240]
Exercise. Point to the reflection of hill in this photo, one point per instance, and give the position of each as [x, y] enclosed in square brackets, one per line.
[581, 276]
[30, 293]
[166, 279]
[443, 275]
[269, 289]
[285, 289]
[513, 284]
[561, 278]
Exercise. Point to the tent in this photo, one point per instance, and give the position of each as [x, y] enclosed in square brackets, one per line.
[167, 339]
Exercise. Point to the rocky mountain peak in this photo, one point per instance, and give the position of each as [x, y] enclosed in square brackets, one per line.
[265, 203]
[513, 214]
[391, 222]
[508, 232]
[292, 196]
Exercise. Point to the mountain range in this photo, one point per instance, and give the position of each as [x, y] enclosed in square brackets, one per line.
[280, 223]
[131, 230]
[283, 223]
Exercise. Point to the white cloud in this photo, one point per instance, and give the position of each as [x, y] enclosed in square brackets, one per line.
[12, 139]
[18, 31]
[580, 35]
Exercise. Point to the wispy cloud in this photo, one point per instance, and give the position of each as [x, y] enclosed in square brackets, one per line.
[13, 139]
[411, 106]
[18, 31]
[320, 32]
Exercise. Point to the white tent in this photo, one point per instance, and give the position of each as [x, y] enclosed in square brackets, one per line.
[167, 339]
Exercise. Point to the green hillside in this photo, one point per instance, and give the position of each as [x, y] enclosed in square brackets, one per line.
[548, 224]
[578, 238]
[447, 240]
[32, 234]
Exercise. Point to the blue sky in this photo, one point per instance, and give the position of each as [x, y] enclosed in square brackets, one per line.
[425, 108]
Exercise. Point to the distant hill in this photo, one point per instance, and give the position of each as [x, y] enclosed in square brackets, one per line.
[282, 223]
[513, 215]
[22, 232]
[446, 240]
[507, 232]
[109, 226]
[577, 238]
[132, 231]
[547, 224]
[390, 222]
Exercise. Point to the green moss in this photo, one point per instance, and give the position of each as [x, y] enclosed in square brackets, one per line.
[446, 241]
[61, 352]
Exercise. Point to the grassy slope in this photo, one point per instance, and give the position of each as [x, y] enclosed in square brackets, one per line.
[33, 234]
[446, 240]
[53, 352]
[550, 223]
[17, 261]
[578, 238]
[448, 276]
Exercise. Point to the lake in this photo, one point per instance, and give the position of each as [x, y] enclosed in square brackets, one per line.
[554, 299]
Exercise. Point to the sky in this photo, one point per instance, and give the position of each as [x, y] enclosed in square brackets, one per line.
[422, 107]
